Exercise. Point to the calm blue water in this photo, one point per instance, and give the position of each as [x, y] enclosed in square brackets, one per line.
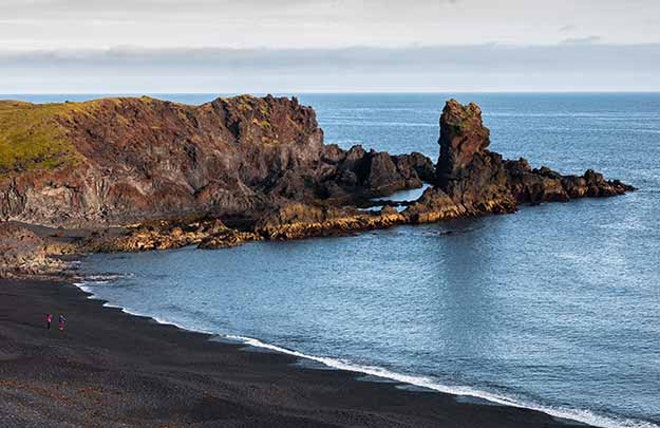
[556, 307]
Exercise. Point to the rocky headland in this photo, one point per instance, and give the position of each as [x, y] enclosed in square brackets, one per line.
[141, 174]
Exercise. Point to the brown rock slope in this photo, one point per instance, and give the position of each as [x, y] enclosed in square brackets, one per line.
[128, 160]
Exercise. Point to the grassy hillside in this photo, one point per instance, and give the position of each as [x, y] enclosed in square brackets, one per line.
[38, 136]
[31, 137]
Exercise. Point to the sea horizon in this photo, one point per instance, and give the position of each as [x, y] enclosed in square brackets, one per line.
[340, 92]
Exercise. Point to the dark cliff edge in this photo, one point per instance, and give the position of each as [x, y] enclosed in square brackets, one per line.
[134, 174]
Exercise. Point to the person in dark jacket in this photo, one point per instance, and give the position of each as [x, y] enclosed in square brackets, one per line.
[61, 322]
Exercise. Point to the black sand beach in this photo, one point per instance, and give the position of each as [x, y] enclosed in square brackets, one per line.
[112, 369]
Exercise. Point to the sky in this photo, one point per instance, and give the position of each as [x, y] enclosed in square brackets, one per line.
[221, 46]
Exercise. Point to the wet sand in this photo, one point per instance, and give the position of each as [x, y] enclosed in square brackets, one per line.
[112, 369]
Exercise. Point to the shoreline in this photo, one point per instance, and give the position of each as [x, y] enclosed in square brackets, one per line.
[377, 374]
[113, 368]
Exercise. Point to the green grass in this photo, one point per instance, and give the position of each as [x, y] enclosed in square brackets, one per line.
[31, 137]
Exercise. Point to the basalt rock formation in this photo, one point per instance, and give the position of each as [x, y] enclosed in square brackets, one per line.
[545, 185]
[470, 181]
[482, 182]
[296, 221]
[127, 160]
[239, 170]
[166, 235]
[473, 176]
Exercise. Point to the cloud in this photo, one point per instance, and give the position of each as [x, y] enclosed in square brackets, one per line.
[581, 40]
[478, 68]
[319, 23]
[201, 8]
[576, 55]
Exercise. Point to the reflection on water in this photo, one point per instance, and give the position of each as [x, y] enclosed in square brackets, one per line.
[467, 273]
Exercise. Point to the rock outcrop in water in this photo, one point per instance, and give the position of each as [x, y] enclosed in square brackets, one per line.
[480, 181]
[473, 176]
[244, 169]
[470, 181]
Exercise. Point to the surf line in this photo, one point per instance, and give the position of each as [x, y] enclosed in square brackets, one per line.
[584, 416]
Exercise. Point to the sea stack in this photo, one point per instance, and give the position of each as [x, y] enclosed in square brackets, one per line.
[482, 182]
[473, 176]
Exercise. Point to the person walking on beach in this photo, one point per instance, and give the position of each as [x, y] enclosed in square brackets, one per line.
[61, 322]
[49, 319]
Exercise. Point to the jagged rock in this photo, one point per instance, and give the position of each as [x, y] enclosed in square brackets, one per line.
[126, 160]
[359, 174]
[332, 154]
[415, 166]
[22, 252]
[153, 235]
[535, 186]
[434, 205]
[297, 221]
[471, 175]
[545, 185]
[481, 182]
[462, 137]
[381, 171]
[228, 238]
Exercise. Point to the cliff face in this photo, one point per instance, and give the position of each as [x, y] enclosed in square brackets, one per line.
[132, 159]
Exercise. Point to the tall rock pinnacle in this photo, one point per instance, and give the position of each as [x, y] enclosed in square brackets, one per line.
[467, 171]
[462, 135]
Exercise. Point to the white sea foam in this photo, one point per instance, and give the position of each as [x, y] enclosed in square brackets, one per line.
[84, 287]
[371, 209]
[103, 279]
[579, 415]
[584, 416]
[89, 281]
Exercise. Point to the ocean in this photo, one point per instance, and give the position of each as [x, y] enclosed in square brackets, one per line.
[555, 308]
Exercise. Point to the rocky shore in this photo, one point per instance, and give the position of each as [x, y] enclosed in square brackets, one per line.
[136, 174]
